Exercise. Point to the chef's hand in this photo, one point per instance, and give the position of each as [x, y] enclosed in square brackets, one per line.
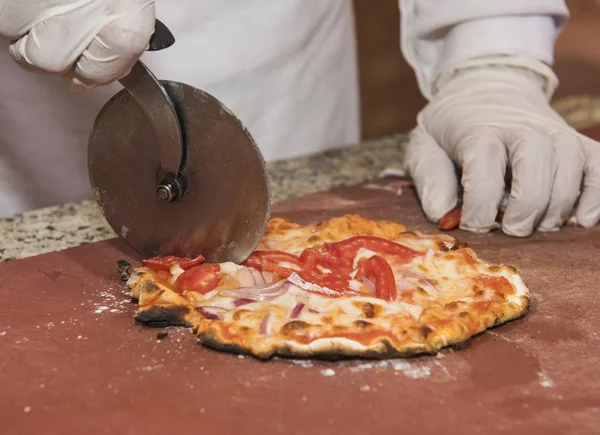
[89, 43]
[491, 122]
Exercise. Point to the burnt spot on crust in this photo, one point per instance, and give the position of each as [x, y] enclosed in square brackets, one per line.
[498, 321]
[161, 317]
[294, 325]
[425, 331]
[209, 340]
[457, 244]
[461, 344]
[314, 239]
[362, 324]
[369, 310]
[451, 306]
[125, 270]
[464, 314]
[479, 293]
[442, 246]
[150, 287]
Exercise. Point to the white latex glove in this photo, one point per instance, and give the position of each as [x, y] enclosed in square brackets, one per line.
[487, 121]
[88, 42]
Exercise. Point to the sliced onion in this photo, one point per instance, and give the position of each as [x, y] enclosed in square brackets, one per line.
[296, 311]
[259, 279]
[208, 314]
[262, 293]
[242, 301]
[264, 325]
[245, 277]
[409, 274]
[268, 276]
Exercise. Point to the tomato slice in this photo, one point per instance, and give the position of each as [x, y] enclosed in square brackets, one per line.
[259, 258]
[168, 261]
[162, 277]
[278, 262]
[347, 249]
[202, 278]
[378, 270]
[321, 256]
[334, 281]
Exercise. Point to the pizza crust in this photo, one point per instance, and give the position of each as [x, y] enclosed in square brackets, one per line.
[486, 296]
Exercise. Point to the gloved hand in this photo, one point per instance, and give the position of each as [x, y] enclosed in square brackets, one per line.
[491, 121]
[88, 42]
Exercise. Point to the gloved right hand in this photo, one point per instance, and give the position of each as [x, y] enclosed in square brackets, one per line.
[87, 42]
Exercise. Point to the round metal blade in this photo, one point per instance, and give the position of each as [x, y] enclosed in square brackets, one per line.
[225, 209]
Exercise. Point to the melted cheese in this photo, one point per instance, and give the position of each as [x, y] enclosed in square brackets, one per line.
[435, 287]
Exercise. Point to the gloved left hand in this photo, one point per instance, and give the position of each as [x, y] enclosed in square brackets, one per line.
[489, 122]
[87, 42]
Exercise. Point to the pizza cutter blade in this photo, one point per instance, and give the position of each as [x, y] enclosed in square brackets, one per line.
[175, 172]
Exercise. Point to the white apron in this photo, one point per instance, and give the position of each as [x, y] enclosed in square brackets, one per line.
[287, 69]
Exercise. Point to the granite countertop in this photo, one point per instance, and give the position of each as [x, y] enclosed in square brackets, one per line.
[64, 226]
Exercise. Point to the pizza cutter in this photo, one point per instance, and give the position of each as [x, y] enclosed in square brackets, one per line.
[175, 172]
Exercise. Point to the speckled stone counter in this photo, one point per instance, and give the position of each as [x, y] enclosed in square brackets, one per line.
[60, 227]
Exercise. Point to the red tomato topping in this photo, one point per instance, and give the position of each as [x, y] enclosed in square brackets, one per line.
[259, 258]
[321, 256]
[162, 277]
[166, 262]
[378, 270]
[271, 261]
[347, 249]
[330, 264]
[334, 281]
[201, 279]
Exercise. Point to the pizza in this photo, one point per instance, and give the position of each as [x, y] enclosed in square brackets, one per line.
[344, 287]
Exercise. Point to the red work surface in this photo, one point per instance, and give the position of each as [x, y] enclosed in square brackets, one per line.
[73, 361]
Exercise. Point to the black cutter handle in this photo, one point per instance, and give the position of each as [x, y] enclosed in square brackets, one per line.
[161, 38]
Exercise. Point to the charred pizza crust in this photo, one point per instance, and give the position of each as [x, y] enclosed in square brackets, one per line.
[446, 295]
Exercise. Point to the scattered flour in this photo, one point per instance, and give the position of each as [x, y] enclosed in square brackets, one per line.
[410, 370]
[111, 302]
[2, 333]
[545, 381]
[328, 372]
[306, 363]
[149, 368]
[365, 388]
[27, 409]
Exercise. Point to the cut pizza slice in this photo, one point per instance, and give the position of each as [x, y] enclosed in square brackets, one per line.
[348, 286]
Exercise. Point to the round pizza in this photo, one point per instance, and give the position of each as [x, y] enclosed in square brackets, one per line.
[345, 287]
